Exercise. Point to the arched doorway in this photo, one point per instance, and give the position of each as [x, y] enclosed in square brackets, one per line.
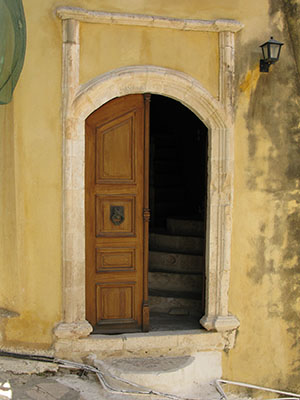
[120, 184]
[182, 87]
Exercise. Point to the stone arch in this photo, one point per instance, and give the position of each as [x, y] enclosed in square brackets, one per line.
[152, 79]
[188, 91]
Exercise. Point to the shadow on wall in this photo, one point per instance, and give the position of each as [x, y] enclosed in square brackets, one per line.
[273, 124]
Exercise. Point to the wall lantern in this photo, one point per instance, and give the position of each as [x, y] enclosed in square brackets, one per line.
[271, 51]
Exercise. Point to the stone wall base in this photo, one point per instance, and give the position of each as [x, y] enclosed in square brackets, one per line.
[143, 344]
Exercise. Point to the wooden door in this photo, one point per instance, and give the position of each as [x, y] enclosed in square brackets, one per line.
[117, 215]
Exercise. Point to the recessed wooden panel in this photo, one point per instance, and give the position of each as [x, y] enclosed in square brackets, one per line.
[115, 151]
[115, 259]
[105, 225]
[115, 301]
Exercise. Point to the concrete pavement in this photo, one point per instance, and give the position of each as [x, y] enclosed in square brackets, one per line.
[33, 380]
[34, 387]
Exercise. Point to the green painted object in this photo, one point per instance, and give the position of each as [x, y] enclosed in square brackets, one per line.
[12, 46]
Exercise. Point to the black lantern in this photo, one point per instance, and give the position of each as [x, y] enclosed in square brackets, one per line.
[271, 51]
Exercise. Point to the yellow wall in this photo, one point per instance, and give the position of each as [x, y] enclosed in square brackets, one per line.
[118, 46]
[8, 288]
[265, 256]
[32, 280]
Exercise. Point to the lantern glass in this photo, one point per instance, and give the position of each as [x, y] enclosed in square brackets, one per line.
[274, 51]
[264, 49]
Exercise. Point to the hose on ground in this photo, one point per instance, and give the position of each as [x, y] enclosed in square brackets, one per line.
[139, 389]
[291, 396]
[100, 375]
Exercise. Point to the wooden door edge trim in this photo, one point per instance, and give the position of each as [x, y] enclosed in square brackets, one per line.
[146, 213]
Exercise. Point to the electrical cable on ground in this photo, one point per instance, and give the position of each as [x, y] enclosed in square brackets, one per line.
[139, 389]
[292, 396]
[100, 375]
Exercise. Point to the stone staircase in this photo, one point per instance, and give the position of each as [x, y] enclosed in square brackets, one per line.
[176, 273]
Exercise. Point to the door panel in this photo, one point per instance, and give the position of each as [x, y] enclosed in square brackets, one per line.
[115, 302]
[115, 215]
[114, 259]
[115, 149]
[116, 296]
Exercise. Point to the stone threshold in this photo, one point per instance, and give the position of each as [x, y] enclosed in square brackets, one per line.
[150, 344]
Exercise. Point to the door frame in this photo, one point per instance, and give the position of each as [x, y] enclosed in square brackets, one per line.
[79, 100]
[188, 91]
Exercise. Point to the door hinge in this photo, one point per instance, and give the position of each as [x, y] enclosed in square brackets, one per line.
[146, 214]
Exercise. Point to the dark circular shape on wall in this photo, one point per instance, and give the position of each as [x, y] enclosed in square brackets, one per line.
[12, 46]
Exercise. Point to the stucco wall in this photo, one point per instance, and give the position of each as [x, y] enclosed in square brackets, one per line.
[265, 256]
[32, 279]
[120, 46]
[9, 288]
[265, 252]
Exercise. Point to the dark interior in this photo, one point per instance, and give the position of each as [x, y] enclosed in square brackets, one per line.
[178, 159]
[178, 185]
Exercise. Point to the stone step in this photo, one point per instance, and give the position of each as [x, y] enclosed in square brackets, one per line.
[182, 226]
[182, 375]
[175, 262]
[176, 294]
[172, 243]
[175, 282]
[169, 304]
[178, 319]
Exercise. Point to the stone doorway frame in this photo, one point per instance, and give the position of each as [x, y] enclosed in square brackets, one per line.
[78, 101]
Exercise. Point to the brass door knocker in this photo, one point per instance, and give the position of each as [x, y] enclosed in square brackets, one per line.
[117, 215]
